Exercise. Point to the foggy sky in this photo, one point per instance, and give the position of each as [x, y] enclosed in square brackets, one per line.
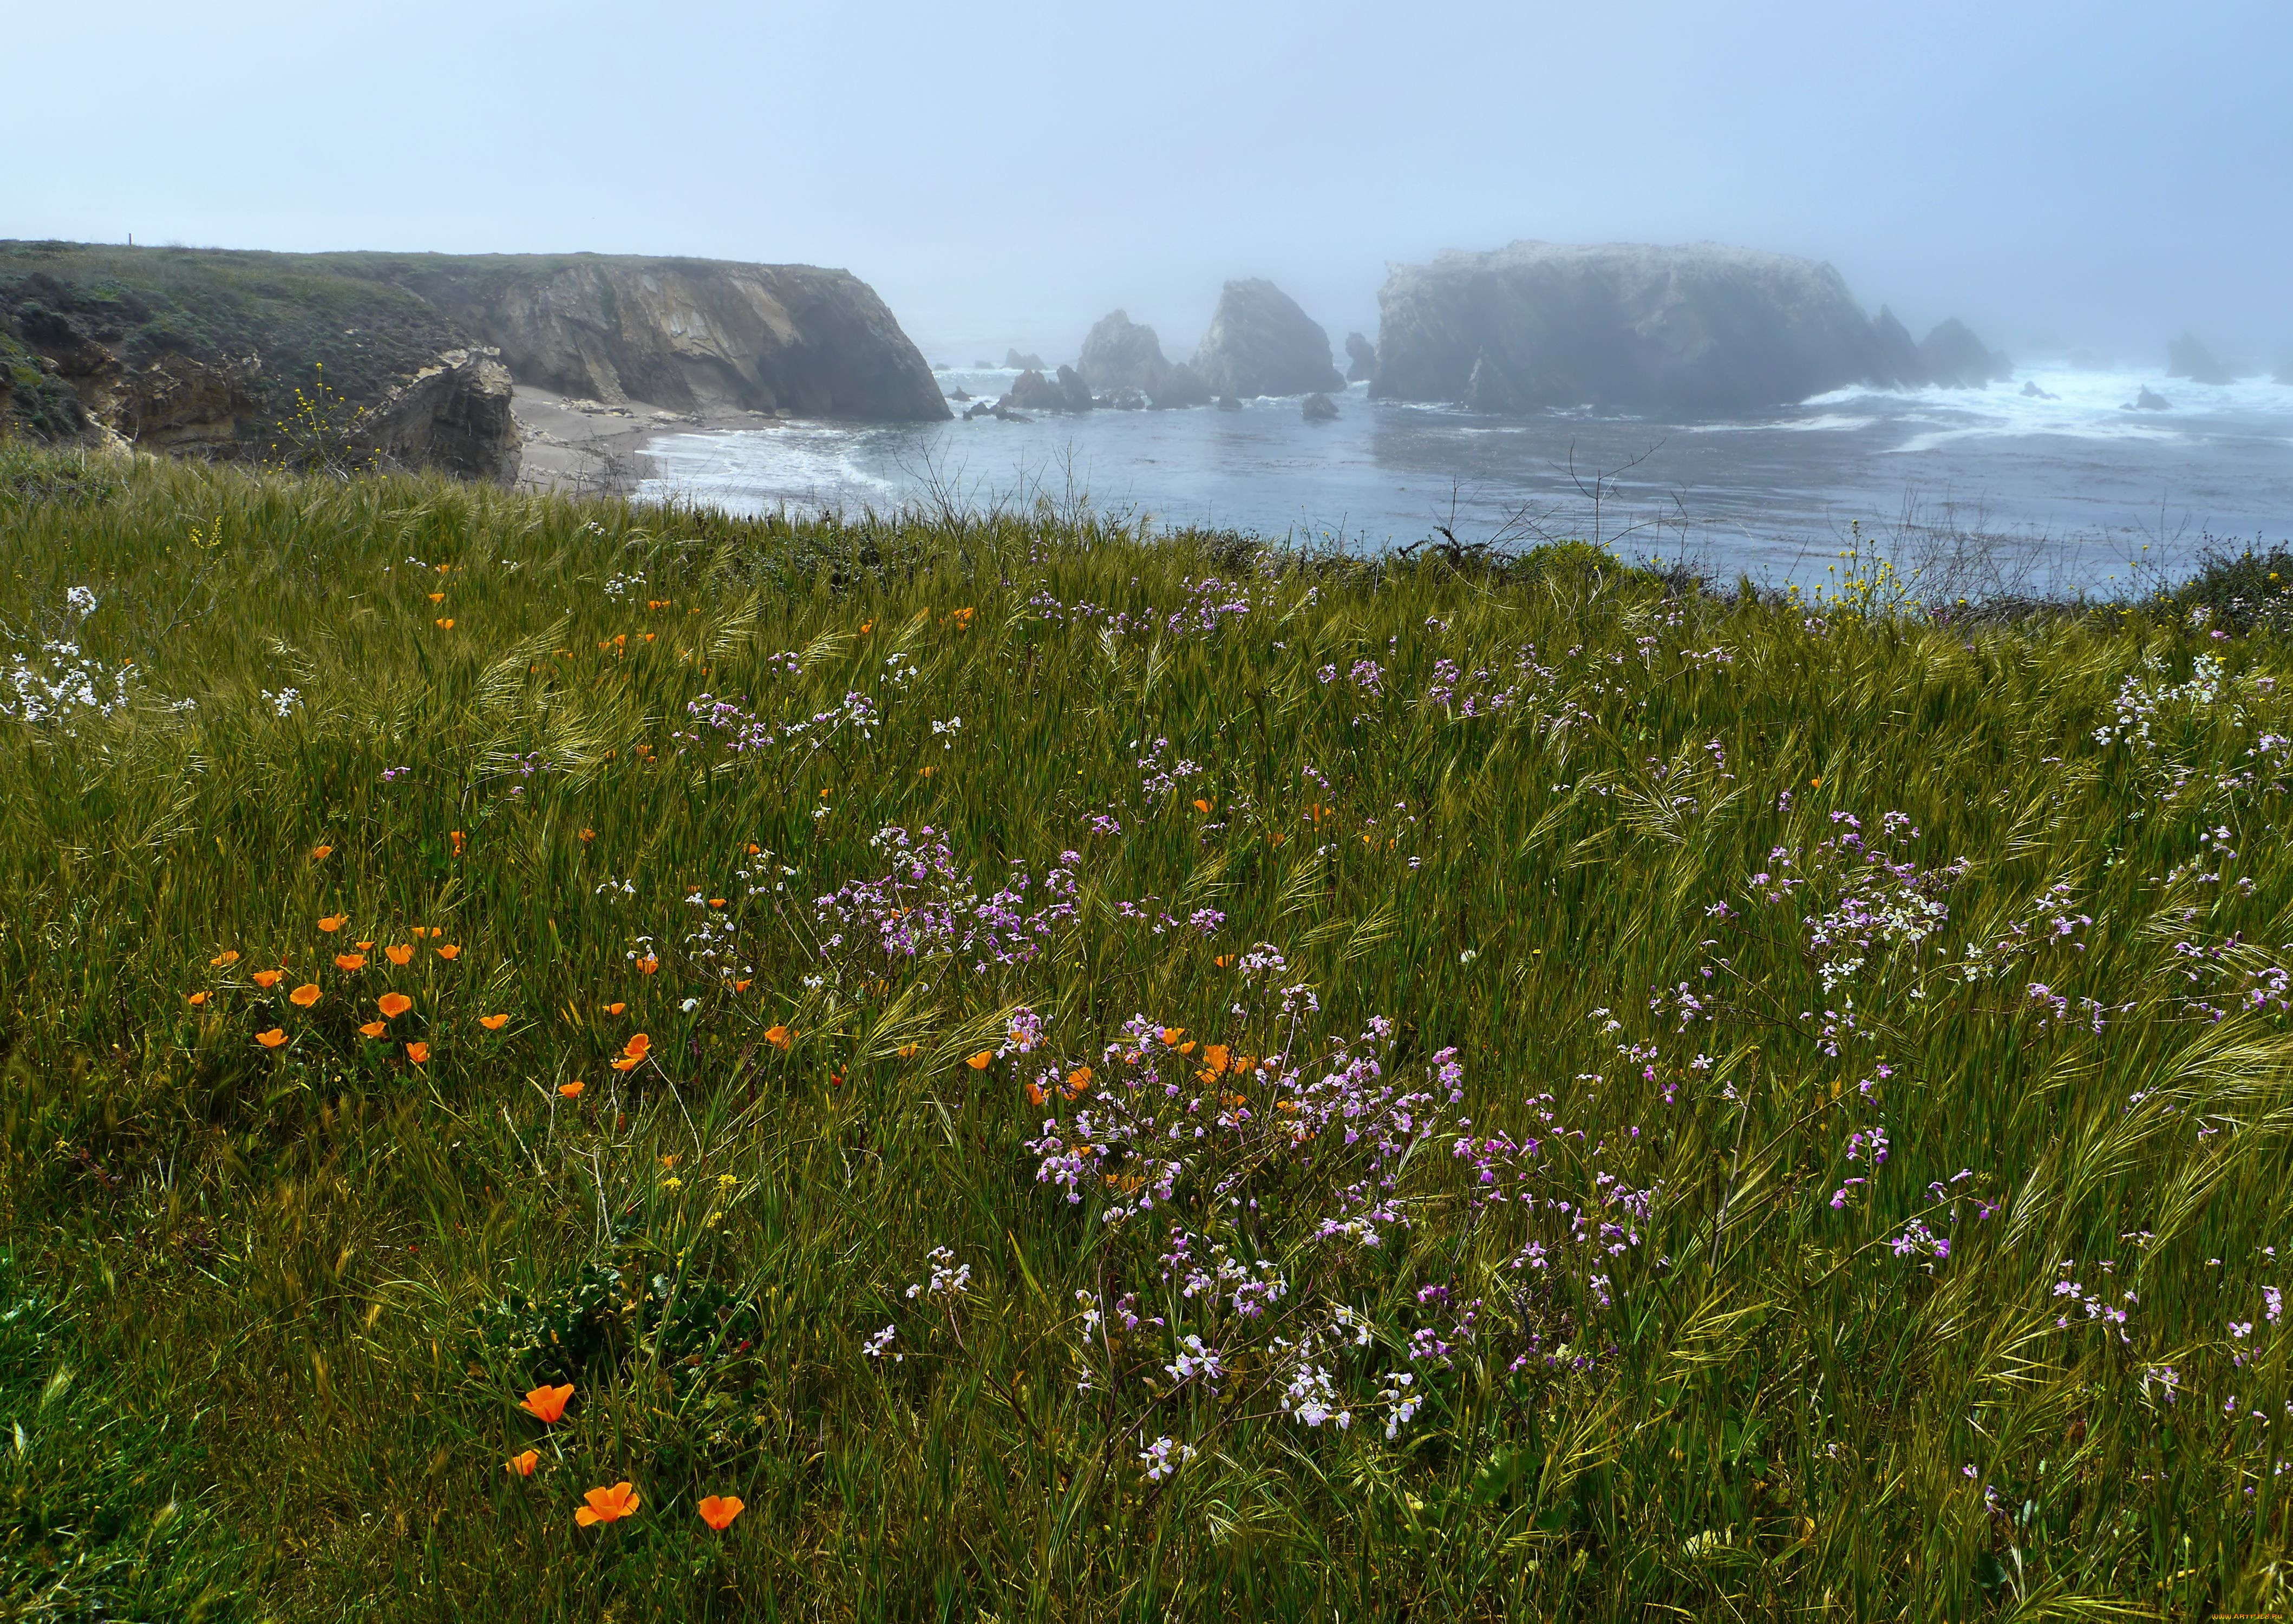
[1006, 171]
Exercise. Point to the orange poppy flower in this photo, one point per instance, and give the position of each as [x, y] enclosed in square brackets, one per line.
[437, 597]
[1202, 805]
[443, 568]
[320, 854]
[607, 1505]
[228, 956]
[366, 947]
[334, 922]
[270, 1039]
[1036, 1096]
[1172, 1034]
[909, 1051]
[615, 1009]
[420, 931]
[719, 1510]
[450, 951]
[198, 999]
[373, 1029]
[648, 964]
[716, 902]
[522, 1465]
[1214, 1058]
[571, 1091]
[754, 848]
[1078, 1080]
[780, 1038]
[393, 1005]
[493, 1023]
[455, 837]
[545, 1403]
[446, 625]
[268, 978]
[637, 1046]
[1186, 1047]
[1224, 961]
[588, 834]
[418, 1052]
[399, 953]
[350, 961]
[741, 986]
[867, 627]
[979, 1063]
[305, 995]
[627, 1062]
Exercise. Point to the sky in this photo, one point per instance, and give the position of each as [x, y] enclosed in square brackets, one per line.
[2101, 175]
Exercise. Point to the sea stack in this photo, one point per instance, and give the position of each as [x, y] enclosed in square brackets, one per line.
[1260, 343]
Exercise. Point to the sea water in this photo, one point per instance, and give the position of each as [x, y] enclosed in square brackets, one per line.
[2089, 489]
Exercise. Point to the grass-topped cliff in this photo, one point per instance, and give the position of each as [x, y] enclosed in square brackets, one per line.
[1083, 1078]
[211, 350]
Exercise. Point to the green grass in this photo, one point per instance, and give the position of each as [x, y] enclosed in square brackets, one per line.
[266, 1313]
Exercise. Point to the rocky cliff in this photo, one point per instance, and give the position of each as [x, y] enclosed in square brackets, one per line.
[682, 332]
[1694, 330]
[1260, 343]
[202, 351]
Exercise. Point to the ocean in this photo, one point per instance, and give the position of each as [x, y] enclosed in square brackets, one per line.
[2072, 493]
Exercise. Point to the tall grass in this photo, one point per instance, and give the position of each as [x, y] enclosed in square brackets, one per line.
[1860, 1197]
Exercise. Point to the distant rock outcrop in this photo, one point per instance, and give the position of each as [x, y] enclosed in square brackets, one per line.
[2150, 400]
[1898, 351]
[2186, 358]
[2032, 391]
[1031, 391]
[1317, 407]
[1025, 363]
[1956, 359]
[1701, 328]
[1260, 343]
[1361, 358]
[1120, 354]
[1179, 385]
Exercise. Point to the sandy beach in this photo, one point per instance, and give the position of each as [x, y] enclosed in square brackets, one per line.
[575, 446]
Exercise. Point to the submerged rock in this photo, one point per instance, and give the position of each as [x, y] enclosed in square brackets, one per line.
[1260, 343]
[1229, 403]
[1317, 409]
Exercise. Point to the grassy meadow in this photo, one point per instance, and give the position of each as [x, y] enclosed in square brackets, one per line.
[1085, 1079]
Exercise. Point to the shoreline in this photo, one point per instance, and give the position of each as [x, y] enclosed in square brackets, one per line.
[576, 446]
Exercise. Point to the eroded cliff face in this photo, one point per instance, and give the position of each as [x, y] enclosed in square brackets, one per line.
[685, 333]
[1700, 328]
[202, 352]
